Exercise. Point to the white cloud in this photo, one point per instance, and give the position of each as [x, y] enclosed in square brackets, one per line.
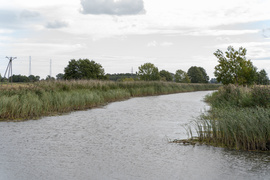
[166, 44]
[29, 14]
[217, 32]
[155, 44]
[152, 44]
[56, 24]
[266, 33]
[113, 7]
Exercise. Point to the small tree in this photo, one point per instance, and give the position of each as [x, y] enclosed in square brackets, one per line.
[33, 78]
[181, 76]
[60, 76]
[234, 68]
[197, 75]
[166, 75]
[148, 72]
[50, 78]
[262, 78]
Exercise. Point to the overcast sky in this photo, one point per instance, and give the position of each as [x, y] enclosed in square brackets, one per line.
[124, 34]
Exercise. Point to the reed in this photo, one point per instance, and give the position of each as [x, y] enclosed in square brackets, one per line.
[43, 98]
[239, 118]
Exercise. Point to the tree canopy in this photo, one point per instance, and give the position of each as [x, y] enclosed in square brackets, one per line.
[166, 75]
[262, 78]
[148, 72]
[234, 68]
[197, 75]
[84, 69]
[181, 76]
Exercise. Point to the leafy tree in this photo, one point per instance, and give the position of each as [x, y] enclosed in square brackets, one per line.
[84, 69]
[166, 75]
[60, 76]
[148, 72]
[121, 76]
[181, 76]
[213, 81]
[262, 78]
[50, 78]
[20, 78]
[33, 78]
[197, 75]
[234, 68]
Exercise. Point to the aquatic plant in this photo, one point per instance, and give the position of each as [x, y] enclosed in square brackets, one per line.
[239, 118]
[44, 98]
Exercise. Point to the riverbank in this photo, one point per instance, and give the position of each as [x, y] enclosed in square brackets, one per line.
[239, 118]
[46, 98]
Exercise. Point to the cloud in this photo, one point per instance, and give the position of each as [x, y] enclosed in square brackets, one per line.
[152, 44]
[8, 18]
[29, 14]
[155, 43]
[113, 7]
[56, 24]
[166, 44]
[266, 33]
[217, 32]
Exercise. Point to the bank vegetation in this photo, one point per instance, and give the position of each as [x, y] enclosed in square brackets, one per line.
[43, 98]
[239, 118]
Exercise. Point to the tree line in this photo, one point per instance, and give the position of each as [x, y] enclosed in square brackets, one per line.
[86, 69]
[233, 68]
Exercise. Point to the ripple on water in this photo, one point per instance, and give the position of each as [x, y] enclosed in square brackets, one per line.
[123, 140]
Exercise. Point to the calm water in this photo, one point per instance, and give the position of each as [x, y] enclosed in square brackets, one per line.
[123, 140]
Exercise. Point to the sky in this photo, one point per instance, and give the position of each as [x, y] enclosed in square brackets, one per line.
[121, 35]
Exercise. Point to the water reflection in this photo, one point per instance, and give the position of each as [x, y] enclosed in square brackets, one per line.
[124, 140]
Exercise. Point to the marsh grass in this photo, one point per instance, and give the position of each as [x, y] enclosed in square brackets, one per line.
[33, 100]
[239, 119]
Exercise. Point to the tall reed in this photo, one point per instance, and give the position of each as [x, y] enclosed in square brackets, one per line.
[52, 97]
[239, 119]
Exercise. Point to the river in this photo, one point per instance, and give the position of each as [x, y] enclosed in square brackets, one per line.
[122, 140]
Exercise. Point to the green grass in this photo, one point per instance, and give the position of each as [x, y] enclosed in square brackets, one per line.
[34, 100]
[239, 118]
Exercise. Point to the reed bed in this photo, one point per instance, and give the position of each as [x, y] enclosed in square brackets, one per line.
[44, 98]
[239, 119]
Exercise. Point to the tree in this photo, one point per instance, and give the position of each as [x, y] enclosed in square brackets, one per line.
[60, 76]
[50, 78]
[234, 68]
[33, 78]
[197, 75]
[166, 75]
[181, 76]
[148, 72]
[84, 69]
[213, 81]
[262, 78]
[20, 78]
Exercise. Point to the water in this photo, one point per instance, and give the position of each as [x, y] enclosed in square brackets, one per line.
[123, 140]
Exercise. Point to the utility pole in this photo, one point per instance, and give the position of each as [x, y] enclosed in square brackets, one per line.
[9, 68]
[50, 68]
[30, 73]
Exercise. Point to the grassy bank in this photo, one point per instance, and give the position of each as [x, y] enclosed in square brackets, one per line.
[239, 118]
[44, 98]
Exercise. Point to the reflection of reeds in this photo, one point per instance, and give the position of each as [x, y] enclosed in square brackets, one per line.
[52, 97]
[239, 119]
